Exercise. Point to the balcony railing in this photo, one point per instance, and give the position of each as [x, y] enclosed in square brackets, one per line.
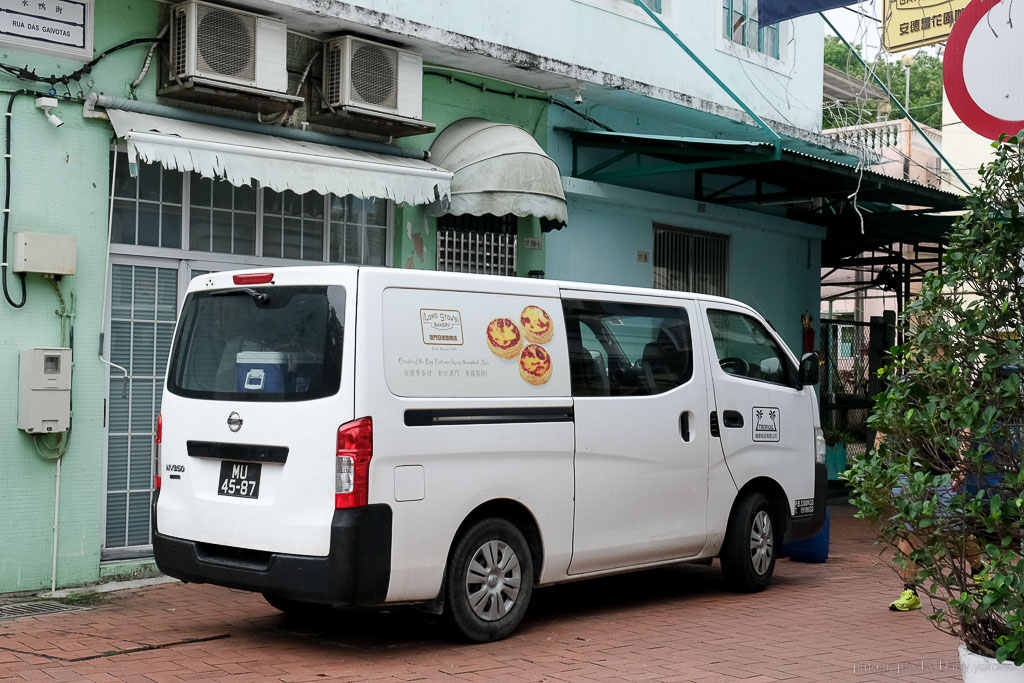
[876, 137]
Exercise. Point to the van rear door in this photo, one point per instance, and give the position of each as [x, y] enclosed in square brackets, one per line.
[259, 381]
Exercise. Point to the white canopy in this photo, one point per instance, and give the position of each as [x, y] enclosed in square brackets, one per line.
[278, 163]
[499, 169]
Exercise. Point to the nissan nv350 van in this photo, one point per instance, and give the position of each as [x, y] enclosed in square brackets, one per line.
[339, 435]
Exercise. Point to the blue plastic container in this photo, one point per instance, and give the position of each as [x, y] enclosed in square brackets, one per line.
[813, 549]
[261, 372]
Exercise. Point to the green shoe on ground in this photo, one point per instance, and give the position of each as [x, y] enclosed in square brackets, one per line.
[907, 601]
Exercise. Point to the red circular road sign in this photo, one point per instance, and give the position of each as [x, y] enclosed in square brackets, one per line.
[983, 69]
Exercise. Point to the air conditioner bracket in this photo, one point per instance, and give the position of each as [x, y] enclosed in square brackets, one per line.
[368, 121]
[239, 98]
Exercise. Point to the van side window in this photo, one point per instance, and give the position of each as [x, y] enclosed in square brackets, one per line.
[621, 349]
[745, 348]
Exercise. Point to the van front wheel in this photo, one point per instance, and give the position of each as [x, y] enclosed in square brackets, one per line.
[748, 554]
[489, 581]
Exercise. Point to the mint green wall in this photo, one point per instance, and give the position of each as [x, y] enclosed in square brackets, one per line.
[59, 184]
[445, 102]
[774, 263]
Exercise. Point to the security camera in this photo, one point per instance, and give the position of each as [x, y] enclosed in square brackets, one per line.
[578, 100]
[46, 105]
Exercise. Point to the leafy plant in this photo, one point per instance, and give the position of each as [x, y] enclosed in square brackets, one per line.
[835, 436]
[948, 475]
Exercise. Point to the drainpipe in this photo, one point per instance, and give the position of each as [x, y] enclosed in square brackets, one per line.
[94, 100]
[776, 138]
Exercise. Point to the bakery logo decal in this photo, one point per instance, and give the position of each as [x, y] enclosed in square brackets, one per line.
[767, 423]
[441, 327]
[524, 341]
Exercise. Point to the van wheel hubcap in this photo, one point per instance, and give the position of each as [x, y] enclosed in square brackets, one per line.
[493, 580]
[761, 542]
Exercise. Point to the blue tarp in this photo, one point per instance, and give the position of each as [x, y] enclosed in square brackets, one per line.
[774, 11]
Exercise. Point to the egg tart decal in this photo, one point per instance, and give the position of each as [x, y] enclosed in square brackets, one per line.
[537, 325]
[535, 365]
[504, 338]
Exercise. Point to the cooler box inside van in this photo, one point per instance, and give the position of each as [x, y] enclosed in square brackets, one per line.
[261, 371]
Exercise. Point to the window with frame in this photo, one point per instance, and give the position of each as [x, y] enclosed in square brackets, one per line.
[175, 209]
[687, 261]
[222, 217]
[741, 26]
[746, 349]
[655, 5]
[624, 349]
[146, 210]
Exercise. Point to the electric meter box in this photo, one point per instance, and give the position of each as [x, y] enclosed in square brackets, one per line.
[39, 252]
[44, 390]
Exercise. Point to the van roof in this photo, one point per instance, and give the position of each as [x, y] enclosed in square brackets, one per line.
[432, 278]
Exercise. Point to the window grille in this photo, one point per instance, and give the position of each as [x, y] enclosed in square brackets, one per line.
[691, 261]
[477, 244]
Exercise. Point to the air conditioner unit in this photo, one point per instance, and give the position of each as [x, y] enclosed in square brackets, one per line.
[228, 47]
[369, 77]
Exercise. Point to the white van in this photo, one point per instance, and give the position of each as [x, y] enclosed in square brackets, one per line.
[353, 435]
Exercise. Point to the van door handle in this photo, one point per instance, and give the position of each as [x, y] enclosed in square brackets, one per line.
[732, 419]
[684, 426]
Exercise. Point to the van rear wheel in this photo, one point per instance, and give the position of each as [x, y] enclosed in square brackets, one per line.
[748, 554]
[488, 581]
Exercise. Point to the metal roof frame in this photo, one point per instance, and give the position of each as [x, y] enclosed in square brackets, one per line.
[859, 207]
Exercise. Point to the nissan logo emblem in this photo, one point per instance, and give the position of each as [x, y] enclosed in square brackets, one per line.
[234, 422]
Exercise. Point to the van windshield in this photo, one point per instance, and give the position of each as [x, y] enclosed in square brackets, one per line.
[259, 344]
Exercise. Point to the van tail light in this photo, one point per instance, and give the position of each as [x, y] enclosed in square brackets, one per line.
[158, 441]
[352, 467]
[253, 279]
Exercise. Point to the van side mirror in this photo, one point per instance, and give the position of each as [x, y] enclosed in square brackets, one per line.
[809, 370]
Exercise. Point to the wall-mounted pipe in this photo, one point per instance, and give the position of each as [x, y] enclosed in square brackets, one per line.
[94, 100]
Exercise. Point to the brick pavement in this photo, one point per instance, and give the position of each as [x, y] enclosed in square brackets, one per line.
[815, 622]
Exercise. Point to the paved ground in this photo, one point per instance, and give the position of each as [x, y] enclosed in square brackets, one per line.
[816, 622]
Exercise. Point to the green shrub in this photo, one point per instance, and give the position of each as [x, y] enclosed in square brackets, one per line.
[953, 414]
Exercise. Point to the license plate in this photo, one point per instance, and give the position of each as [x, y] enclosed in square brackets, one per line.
[239, 479]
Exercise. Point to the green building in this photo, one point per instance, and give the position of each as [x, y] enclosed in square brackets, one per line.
[570, 139]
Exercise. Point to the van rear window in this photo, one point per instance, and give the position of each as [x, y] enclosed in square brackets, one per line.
[259, 344]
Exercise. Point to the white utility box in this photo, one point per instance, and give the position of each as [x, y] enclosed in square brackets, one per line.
[39, 252]
[44, 390]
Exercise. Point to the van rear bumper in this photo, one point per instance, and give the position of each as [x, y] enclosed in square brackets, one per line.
[356, 570]
[805, 526]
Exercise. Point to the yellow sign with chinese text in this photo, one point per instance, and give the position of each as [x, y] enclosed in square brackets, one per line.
[907, 24]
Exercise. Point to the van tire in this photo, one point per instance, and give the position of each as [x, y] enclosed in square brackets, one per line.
[486, 545]
[297, 609]
[751, 544]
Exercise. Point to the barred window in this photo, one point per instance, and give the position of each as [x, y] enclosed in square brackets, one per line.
[477, 244]
[689, 261]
